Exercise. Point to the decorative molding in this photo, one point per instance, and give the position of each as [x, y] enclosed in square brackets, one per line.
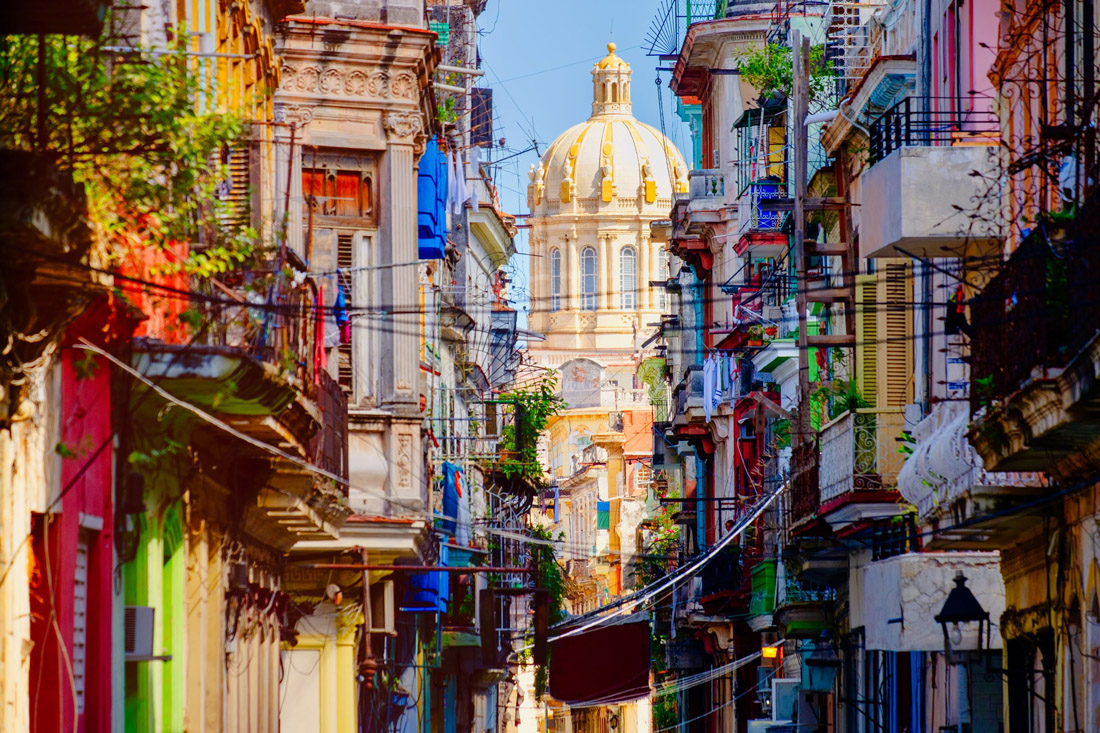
[340, 81]
[404, 461]
[403, 124]
[295, 114]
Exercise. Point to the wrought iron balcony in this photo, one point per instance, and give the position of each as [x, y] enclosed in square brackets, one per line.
[922, 194]
[1035, 353]
[932, 121]
[859, 452]
[758, 229]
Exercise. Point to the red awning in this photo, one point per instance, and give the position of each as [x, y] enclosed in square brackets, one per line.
[606, 665]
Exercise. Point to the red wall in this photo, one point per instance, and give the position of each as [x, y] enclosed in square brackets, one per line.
[86, 424]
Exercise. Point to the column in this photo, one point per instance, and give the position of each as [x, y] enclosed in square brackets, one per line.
[571, 296]
[398, 244]
[606, 268]
[645, 256]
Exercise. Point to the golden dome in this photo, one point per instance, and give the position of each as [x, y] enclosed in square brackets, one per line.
[611, 155]
[611, 61]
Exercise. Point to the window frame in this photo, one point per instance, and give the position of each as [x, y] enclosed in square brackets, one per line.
[589, 299]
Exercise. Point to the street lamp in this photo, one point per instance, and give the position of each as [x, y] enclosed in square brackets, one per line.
[961, 607]
[820, 668]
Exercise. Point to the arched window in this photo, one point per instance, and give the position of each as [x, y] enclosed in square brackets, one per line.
[588, 279]
[555, 280]
[662, 275]
[628, 279]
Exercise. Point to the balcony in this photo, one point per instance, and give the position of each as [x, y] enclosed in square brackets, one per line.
[926, 156]
[758, 233]
[699, 216]
[804, 610]
[944, 478]
[1035, 355]
[762, 601]
[859, 466]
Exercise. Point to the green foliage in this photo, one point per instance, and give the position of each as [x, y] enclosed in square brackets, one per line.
[781, 429]
[139, 132]
[771, 70]
[532, 407]
[445, 112]
[551, 576]
[86, 366]
[65, 451]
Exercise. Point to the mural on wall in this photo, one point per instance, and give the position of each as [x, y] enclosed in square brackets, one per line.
[580, 383]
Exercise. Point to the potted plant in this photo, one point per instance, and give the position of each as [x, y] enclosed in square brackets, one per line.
[756, 335]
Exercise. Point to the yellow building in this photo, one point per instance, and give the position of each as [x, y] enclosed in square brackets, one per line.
[592, 198]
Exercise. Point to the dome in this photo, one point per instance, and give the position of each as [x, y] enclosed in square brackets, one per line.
[611, 156]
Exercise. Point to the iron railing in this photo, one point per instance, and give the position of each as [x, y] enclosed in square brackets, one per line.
[859, 451]
[751, 215]
[895, 536]
[928, 121]
[804, 494]
[1039, 310]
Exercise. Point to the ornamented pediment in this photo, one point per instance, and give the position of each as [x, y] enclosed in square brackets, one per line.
[341, 81]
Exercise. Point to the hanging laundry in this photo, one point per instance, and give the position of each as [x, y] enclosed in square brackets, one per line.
[475, 168]
[454, 206]
[319, 354]
[709, 381]
[463, 194]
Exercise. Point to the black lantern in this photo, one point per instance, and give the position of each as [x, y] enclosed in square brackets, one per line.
[820, 668]
[961, 607]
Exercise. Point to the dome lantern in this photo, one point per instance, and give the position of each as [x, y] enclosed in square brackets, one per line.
[611, 85]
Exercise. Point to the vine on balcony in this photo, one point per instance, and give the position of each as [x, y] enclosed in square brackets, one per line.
[532, 407]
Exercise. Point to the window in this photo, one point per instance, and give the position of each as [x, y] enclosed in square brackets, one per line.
[555, 280]
[662, 276]
[588, 279]
[339, 193]
[628, 279]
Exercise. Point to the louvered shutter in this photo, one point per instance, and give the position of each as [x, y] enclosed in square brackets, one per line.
[867, 336]
[236, 189]
[895, 336]
[345, 259]
[80, 620]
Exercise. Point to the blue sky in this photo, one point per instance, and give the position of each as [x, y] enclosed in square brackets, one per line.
[537, 57]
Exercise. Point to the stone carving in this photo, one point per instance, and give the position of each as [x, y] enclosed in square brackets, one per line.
[337, 81]
[378, 84]
[332, 82]
[355, 84]
[402, 124]
[403, 86]
[404, 461]
[294, 114]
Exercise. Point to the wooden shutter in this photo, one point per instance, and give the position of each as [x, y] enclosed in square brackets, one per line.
[237, 186]
[867, 336]
[345, 260]
[895, 336]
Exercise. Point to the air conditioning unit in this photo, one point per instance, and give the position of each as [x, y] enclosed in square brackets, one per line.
[138, 633]
[785, 697]
[382, 618]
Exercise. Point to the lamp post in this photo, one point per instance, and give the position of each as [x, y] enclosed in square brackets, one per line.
[819, 671]
[961, 607]
[821, 666]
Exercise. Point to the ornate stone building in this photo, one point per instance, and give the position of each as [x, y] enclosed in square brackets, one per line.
[592, 198]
